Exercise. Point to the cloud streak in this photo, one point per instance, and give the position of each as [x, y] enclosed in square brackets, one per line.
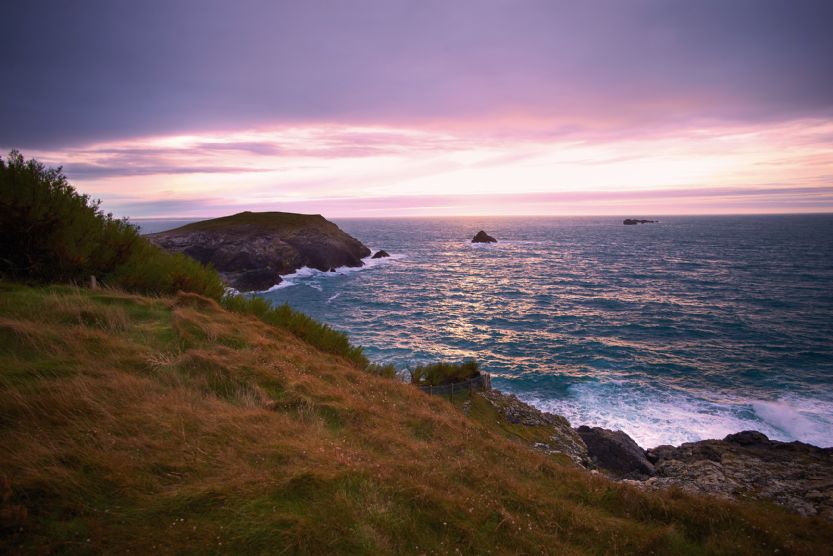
[104, 70]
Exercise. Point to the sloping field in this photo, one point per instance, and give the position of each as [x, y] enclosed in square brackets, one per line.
[136, 424]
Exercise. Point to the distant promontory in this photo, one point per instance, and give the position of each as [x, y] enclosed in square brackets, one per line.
[251, 250]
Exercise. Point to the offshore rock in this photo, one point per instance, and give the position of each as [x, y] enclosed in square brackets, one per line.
[251, 250]
[380, 254]
[483, 237]
[634, 222]
[562, 438]
[795, 475]
[616, 452]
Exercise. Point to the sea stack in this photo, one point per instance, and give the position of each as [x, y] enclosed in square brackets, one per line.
[483, 237]
[251, 250]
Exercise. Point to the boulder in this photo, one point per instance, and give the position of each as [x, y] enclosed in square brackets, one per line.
[748, 464]
[555, 433]
[483, 237]
[380, 254]
[251, 250]
[616, 452]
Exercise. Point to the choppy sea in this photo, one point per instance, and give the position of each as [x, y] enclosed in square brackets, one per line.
[690, 328]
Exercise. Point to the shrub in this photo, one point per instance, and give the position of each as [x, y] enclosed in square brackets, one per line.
[385, 371]
[437, 374]
[150, 269]
[304, 327]
[51, 233]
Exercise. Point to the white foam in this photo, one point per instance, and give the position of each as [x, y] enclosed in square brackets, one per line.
[653, 418]
[305, 274]
[807, 420]
[333, 297]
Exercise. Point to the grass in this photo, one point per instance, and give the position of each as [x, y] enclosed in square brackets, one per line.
[263, 220]
[174, 425]
[317, 334]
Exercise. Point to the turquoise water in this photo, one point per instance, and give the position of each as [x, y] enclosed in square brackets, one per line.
[691, 328]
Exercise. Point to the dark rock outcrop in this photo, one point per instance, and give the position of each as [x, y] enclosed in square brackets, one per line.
[380, 254]
[744, 465]
[483, 237]
[560, 436]
[795, 475]
[616, 452]
[251, 250]
[634, 222]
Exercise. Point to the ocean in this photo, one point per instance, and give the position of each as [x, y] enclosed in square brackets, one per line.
[690, 328]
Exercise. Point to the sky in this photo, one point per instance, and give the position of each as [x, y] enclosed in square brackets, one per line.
[376, 108]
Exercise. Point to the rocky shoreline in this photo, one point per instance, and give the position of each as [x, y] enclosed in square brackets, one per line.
[745, 465]
[251, 250]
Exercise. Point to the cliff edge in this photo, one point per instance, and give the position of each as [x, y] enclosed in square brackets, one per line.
[251, 250]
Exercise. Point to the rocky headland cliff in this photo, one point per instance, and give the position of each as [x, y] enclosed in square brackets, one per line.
[745, 465]
[251, 250]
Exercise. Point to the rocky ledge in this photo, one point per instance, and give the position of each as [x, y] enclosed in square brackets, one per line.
[746, 465]
[795, 475]
[251, 250]
[561, 438]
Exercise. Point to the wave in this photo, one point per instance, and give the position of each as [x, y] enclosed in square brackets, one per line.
[305, 274]
[653, 417]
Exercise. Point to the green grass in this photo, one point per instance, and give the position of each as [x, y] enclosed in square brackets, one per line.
[263, 220]
[171, 424]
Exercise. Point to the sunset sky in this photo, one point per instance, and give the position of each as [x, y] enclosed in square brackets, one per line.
[396, 107]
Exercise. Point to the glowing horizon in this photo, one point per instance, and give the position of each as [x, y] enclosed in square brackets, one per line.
[344, 171]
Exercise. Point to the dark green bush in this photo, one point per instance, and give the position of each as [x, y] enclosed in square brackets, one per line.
[306, 328]
[437, 374]
[51, 233]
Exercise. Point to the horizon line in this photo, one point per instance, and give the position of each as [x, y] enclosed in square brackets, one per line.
[547, 215]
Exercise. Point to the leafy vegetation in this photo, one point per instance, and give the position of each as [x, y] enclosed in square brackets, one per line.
[437, 374]
[170, 424]
[51, 233]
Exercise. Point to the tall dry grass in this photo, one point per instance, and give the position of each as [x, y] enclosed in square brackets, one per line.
[172, 425]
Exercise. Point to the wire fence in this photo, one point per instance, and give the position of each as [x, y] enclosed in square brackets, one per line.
[480, 383]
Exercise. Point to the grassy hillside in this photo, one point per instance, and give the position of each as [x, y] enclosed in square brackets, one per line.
[171, 425]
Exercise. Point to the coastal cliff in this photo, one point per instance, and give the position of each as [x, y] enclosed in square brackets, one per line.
[251, 250]
[743, 466]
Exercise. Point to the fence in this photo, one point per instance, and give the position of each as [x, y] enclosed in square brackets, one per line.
[481, 382]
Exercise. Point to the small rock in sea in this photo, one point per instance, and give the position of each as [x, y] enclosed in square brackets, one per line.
[483, 237]
[332, 269]
[634, 222]
[380, 254]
